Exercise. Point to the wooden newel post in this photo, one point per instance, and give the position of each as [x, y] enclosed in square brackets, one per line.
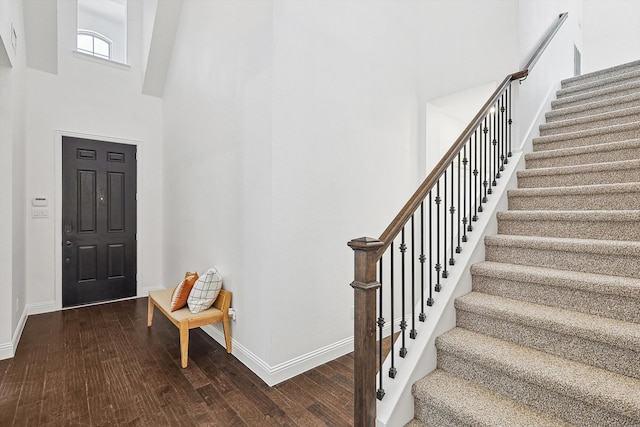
[364, 287]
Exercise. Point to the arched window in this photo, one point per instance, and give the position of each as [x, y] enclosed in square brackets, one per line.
[93, 43]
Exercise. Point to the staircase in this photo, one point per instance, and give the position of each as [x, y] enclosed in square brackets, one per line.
[550, 334]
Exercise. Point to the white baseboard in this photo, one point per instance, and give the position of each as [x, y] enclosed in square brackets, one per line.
[41, 307]
[273, 375]
[8, 350]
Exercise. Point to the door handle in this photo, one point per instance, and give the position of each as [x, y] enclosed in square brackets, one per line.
[67, 243]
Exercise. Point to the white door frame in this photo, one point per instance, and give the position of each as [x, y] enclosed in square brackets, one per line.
[57, 205]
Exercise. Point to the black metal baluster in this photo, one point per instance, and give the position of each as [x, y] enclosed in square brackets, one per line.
[496, 153]
[431, 267]
[392, 370]
[500, 134]
[465, 219]
[503, 130]
[438, 265]
[403, 322]
[471, 184]
[459, 247]
[423, 316]
[510, 122]
[445, 273]
[413, 333]
[476, 181]
[452, 211]
[480, 200]
[487, 153]
[380, 392]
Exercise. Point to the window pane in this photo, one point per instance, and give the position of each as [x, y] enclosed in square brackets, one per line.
[101, 48]
[85, 43]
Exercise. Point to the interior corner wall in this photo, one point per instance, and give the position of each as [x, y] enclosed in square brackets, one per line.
[6, 221]
[537, 90]
[100, 101]
[611, 33]
[12, 177]
[217, 169]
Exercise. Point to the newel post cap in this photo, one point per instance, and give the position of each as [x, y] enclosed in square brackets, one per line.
[365, 244]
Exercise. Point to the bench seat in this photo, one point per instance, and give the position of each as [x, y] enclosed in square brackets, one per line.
[184, 320]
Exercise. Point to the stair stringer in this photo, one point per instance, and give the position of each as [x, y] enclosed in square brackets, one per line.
[397, 407]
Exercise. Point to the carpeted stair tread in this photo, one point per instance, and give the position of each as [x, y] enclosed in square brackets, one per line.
[615, 392]
[625, 195]
[600, 120]
[581, 138]
[596, 95]
[552, 324]
[626, 287]
[605, 224]
[585, 174]
[613, 332]
[470, 404]
[599, 74]
[599, 84]
[590, 154]
[593, 108]
[617, 258]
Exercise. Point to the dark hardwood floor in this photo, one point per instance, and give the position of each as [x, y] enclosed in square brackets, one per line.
[102, 366]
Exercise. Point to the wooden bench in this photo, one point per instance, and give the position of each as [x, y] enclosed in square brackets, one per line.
[185, 320]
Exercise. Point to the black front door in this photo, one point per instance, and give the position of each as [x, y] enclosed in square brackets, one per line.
[98, 221]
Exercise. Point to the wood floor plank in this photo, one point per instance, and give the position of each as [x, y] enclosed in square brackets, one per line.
[101, 366]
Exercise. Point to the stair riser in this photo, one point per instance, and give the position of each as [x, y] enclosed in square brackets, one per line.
[572, 140]
[571, 228]
[598, 354]
[612, 105]
[611, 264]
[576, 202]
[554, 294]
[549, 401]
[588, 98]
[592, 77]
[573, 126]
[436, 417]
[624, 153]
[612, 176]
[585, 88]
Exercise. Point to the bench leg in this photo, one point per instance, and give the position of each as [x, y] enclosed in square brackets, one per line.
[150, 314]
[227, 333]
[184, 343]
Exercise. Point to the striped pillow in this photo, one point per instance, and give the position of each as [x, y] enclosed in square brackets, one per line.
[205, 291]
[181, 292]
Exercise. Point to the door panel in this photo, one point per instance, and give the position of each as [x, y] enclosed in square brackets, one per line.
[98, 221]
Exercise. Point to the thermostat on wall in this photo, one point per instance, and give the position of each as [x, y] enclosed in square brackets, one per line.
[39, 201]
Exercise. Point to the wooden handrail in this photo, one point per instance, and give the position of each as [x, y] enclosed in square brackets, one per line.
[423, 191]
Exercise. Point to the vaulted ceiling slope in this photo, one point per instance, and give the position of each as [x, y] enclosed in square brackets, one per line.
[160, 21]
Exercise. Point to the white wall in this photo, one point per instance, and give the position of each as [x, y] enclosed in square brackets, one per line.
[611, 33]
[12, 177]
[300, 127]
[537, 91]
[217, 170]
[90, 98]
